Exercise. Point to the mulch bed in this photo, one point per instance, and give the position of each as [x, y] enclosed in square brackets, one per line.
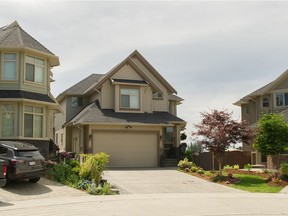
[232, 180]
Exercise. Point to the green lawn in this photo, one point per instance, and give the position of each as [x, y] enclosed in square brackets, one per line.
[253, 183]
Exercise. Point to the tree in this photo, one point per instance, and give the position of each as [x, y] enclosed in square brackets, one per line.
[272, 134]
[218, 131]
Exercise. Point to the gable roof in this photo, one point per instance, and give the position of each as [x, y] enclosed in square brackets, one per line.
[13, 36]
[129, 60]
[264, 89]
[81, 87]
[93, 114]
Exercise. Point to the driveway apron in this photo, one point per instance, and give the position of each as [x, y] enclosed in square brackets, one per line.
[159, 180]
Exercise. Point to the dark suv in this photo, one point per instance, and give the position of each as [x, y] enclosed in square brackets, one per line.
[23, 160]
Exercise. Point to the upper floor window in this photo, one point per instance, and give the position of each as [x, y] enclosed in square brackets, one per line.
[76, 101]
[9, 72]
[281, 99]
[34, 69]
[7, 120]
[130, 98]
[265, 102]
[158, 95]
[33, 121]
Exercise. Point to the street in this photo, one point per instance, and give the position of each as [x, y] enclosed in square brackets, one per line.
[152, 204]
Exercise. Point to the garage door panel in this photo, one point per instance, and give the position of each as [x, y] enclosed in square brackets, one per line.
[127, 149]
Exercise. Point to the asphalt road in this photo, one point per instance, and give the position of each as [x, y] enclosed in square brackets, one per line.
[144, 192]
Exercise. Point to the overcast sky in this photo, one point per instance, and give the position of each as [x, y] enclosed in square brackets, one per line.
[213, 53]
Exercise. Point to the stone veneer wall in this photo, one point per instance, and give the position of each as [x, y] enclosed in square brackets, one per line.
[274, 161]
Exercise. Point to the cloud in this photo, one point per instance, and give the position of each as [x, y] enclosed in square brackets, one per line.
[212, 52]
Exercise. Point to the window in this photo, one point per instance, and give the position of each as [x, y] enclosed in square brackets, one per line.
[281, 99]
[8, 120]
[130, 98]
[3, 151]
[9, 66]
[76, 101]
[34, 69]
[158, 95]
[169, 137]
[265, 102]
[33, 121]
[247, 109]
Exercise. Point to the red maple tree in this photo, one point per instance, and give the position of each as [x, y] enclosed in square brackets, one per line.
[217, 131]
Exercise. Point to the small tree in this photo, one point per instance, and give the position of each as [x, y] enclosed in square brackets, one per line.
[272, 135]
[218, 131]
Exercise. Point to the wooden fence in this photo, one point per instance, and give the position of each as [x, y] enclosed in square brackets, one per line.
[207, 161]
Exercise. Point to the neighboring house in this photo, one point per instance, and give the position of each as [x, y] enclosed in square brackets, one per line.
[271, 98]
[27, 107]
[130, 113]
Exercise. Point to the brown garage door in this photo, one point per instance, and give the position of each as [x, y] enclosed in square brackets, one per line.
[127, 149]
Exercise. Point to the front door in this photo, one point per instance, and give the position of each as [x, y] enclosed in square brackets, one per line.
[169, 143]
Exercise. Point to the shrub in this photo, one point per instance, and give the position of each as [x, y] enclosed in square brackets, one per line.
[95, 189]
[83, 184]
[201, 171]
[61, 172]
[93, 167]
[284, 170]
[226, 167]
[194, 169]
[218, 178]
[236, 167]
[183, 164]
[248, 167]
[188, 154]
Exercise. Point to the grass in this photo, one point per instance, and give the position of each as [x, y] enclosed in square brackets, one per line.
[253, 183]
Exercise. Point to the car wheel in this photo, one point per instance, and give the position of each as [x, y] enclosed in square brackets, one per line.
[34, 180]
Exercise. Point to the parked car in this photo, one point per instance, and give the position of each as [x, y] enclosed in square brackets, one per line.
[3, 171]
[23, 160]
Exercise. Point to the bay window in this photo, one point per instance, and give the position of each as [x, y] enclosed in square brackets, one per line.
[33, 121]
[34, 69]
[9, 69]
[7, 120]
[129, 98]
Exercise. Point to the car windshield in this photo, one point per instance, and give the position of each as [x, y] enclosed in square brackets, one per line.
[28, 153]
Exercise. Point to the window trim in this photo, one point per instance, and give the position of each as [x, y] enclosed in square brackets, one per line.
[34, 113]
[155, 96]
[285, 103]
[268, 101]
[35, 64]
[139, 98]
[1, 115]
[78, 104]
[2, 66]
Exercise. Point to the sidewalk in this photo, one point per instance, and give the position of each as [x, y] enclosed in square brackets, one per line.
[152, 204]
[284, 190]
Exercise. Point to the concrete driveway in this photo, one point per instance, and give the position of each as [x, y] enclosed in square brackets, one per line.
[25, 190]
[159, 180]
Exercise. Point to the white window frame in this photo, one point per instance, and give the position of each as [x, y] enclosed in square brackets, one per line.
[129, 95]
[36, 65]
[285, 103]
[268, 101]
[34, 114]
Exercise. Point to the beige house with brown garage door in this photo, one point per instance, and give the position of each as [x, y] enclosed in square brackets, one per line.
[130, 113]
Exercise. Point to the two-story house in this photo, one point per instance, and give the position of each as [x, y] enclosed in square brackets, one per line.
[130, 113]
[26, 105]
[271, 98]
